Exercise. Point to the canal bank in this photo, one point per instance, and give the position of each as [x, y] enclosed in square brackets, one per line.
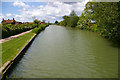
[60, 52]
[9, 64]
[6, 68]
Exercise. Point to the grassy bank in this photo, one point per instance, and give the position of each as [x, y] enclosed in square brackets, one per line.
[12, 47]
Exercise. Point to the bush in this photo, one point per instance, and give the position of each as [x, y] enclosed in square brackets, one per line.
[40, 28]
[10, 30]
[36, 30]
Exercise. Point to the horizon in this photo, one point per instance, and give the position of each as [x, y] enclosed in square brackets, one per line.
[49, 11]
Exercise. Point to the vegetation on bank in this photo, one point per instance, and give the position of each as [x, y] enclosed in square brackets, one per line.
[10, 29]
[70, 20]
[0, 31]
[13, 29]
[40, 28]
[101, 17]
[12, 47]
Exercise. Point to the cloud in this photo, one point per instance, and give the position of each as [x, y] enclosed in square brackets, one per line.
[20, 4]
[8, 14]
[41, 6]
[1, 17]
[50, 12]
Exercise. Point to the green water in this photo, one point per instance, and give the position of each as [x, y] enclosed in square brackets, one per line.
[60, 52]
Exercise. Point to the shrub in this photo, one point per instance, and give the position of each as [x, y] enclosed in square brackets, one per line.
[9, 29]
[40, 28]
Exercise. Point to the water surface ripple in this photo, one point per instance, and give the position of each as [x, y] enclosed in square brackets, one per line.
[60, 52]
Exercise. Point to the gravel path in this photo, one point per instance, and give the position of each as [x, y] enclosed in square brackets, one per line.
[11, 37]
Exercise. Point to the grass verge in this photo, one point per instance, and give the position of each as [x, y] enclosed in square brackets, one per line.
[12, 47]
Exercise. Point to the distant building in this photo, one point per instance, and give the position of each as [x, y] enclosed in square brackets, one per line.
[18, 22]
[27, 22]
[10, 21]
[41, 23]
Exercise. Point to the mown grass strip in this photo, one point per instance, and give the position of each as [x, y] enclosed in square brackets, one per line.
[12, 47]
[0, 55]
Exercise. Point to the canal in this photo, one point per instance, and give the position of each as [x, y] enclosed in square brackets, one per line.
[59, 52]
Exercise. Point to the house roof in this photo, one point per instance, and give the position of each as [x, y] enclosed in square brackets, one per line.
[8, 21]
[41, 22]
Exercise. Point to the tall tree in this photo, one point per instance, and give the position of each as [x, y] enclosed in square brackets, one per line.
[73, 13]
[65, 21]
[36, 21]
[43, 21]
[106, 16]
[70, 20]
[73, 19]
[56, 22]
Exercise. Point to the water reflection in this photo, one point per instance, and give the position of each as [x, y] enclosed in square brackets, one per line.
[60, 52]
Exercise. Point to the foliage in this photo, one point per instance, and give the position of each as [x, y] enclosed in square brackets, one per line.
[39, 28]
[0, 31]
[13, 22]
[73, 13]
[62, 23]
[56, 22]
[106, 17]
[9, 49]
[82, 23]
[36, 21]
[36, 30]
[9, 29]
[43, 21]
[73, 21]
[70, 20]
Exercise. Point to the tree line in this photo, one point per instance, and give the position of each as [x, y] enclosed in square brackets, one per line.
[40, 28]
[101, 17]
[10, 29]
[13, 29]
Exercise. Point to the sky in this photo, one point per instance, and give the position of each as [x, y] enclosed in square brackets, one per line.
[49, 11]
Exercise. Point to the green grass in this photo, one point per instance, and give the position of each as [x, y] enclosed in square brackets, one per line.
[12, 47]
[0, 55]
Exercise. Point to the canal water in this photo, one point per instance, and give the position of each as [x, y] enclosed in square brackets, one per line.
[59, 52]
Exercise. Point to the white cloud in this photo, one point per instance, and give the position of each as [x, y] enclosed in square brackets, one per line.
[1, 16]
[20, 4]
[50, 12]
[8, 14]
[84, 2]
[53, 17]
[41, 6]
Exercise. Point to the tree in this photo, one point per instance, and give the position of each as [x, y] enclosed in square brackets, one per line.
[73, 13]
[62, 23]
[34, 17]
[43, 21]
[73, 19]
[65, 21]
[13, 22]
[56, 22]
[82, 22]
[48, 22]
[106, 16]
[70, 20]
[36, 21]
